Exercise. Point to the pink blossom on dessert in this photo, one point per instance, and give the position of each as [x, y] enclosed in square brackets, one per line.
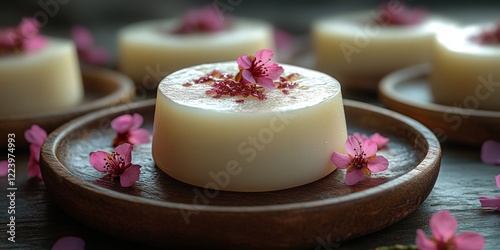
[491, 201]
[117, 164]
[490, 152]
[444, 226]
[361, 160]
[88, 52]
[35, 136]
[128, 130]
[24, 37]
[397, 13]
[376, 137]
[259, 69]
[69, 243]
[204, 19]
[489, 35]
[4, 168]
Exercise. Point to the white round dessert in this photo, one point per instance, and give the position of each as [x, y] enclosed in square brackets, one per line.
[465, 73]
[149, 51]
[281, 142]
[358, 52]
[40, 81]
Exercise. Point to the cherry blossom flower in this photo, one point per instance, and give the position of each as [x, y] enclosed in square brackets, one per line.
[129, 131]
[376, 137]
[361, 160]
[258, 69]
[69, 243]
[397, 13]
[117, 164]
[4, 168]
[444, 227]
[490, 152]
[24, 37]
[491, 201]
[35, 136]
[204, 19]
[85, 46]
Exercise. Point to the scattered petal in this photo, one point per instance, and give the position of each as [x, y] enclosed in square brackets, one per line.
[35, 136]
[69, 243]
[424, 243]
[4, 168]
[204, 19]
[443, 226]
[130, 176]
[128, 130]
[24, 37]
[490, 152]
[85, 46]
[469, 241]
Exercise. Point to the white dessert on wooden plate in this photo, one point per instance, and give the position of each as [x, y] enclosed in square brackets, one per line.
[248, 144]
[360, 48]
[40, 80]
[466, 67]
[150, 50]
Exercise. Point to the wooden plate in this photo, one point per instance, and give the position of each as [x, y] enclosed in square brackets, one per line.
[407, 91]
[161, 211]
[103, 88]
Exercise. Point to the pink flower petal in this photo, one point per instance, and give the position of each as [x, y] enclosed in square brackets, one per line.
[28, 27]
[34, 169]
[378, 164]
[35, 135]
[82, 37]
[424, 243]
[340, 160]
[125, 151]
[35, 152]
[35, 43]
[122, 124]
[490, 201]
[95, 56]
[139, 136]
[248, 76]
[379, 140]
[130, 176]
[354, 177]
[244, 62]
[490, 152]
[369, 148]
[352, 146]
[469, 241]
[443, 225]
[266, 82]
[136, 121]
[274, 70]
[264, 55]
[497, 179]
[4, 168]
[98, 160]
[69, 243]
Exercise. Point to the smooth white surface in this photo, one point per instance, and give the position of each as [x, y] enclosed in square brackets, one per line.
[40, 81]
[466, 74]
[149, 46]
[281, 142]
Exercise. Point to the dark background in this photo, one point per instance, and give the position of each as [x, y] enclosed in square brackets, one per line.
[104, 18]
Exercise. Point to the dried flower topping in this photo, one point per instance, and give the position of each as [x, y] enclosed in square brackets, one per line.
[491, 201]
[23, 38]
[128, 130]
[256, 74]
[118, 163]
[85, 46]
[204, 19]
[489, 35]
[361, 160]
[444, 227]
[259, 69]
[35, 136]
[398, 14]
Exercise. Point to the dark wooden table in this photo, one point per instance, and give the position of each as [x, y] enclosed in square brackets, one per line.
[462, 179]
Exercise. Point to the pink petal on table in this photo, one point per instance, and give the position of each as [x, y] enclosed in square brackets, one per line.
[424, 243]
[123, 123]
[130, 176]
[490, 152]
[125, 151]
[497, 179]
[354, 177]
[469, 241]
[340, 160]
[98, 160]
[490, 201]
[378, 164]
[443, 225]
[139, 136]
[35, 135]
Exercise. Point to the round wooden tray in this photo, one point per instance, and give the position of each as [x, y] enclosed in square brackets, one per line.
[407, 91]
[161, 211]
[103, 88]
